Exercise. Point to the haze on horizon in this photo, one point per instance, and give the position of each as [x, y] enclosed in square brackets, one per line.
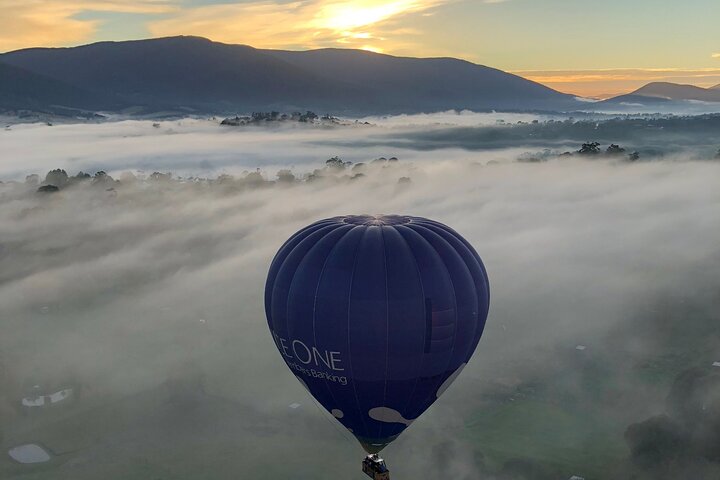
[575, 47]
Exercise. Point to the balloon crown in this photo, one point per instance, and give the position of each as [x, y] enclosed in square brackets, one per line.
[377, 220]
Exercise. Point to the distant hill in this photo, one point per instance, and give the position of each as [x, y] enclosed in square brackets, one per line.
[198, 74]
[665, 97]
[21, 89]
[177, 72]
[427, 83]
[665, 94]
[674, 91]
[631, 99]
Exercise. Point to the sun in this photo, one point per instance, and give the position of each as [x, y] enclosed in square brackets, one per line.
[346, 16]
[370, 48]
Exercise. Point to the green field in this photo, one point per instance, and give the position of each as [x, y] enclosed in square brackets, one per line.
[569, 442]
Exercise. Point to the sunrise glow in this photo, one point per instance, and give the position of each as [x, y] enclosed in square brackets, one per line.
[351, 15]
[512, 35]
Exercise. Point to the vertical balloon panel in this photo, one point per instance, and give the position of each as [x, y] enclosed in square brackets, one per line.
[376, 316]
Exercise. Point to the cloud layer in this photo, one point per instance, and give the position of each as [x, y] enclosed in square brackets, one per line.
[36, 23]
[149, 295]
[366, 24]
[611, 82]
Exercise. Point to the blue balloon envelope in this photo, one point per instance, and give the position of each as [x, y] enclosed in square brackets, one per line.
[376, 316]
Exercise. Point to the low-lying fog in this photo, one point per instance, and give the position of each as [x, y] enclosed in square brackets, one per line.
[145, 297]
[201, 147]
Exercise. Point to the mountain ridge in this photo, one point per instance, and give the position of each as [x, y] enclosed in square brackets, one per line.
[189, 74]
[23, 89]
[678, 91]
[195, 73]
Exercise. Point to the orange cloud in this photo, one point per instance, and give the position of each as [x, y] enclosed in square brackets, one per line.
[49, 23]
[607, 83]
[368, 24]
[349, 15]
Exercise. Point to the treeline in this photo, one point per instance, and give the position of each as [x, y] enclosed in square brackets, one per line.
[586, 150]
[684, 441]
[257, 118]
[652, 137]
[334, 169]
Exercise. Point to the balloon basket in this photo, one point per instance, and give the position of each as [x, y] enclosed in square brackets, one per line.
[374, 467]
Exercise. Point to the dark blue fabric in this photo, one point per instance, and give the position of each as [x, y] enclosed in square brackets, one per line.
[373, 314]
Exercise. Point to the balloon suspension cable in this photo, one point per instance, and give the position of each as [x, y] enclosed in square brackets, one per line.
[343, 433]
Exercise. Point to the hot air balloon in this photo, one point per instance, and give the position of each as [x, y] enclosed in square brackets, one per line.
[376, 316]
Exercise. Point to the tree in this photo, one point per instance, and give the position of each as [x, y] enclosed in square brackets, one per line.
[254, 178]
[285, 176]
[634, 156]
[47, 189]
[337, 163]
[614, 150]
[225, 178]
[656, 441]
[57, 177]
[592, 148]
[694, 398]
[160, 177]
[103, 178]
[308, 116]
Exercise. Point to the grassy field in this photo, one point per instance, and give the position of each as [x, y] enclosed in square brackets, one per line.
[569, 442]
[152, 436]
[557, 413]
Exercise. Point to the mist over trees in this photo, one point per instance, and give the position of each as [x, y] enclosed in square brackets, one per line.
[686, 439]
[139, 286]
[335, 169]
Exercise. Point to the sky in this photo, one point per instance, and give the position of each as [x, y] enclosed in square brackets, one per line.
[577, 46]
